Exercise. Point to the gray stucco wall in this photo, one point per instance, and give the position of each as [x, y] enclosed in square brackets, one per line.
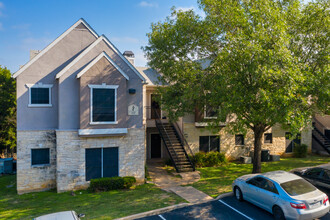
[103, 72]
[69, 90]
[44, 71]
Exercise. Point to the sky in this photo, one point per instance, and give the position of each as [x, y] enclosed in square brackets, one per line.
[33, 24]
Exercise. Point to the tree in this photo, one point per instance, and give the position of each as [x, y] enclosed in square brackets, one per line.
[7, 111]
[263, 62]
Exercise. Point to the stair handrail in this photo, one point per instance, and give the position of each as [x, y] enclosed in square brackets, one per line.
[184, 144]
[159, 122]
[319, 125]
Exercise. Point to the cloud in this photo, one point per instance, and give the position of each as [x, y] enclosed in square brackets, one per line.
[140, 59]
[35, 43]
[196, 10]
[2, 6]
[124, 39]
[21, 26]
[148, 4]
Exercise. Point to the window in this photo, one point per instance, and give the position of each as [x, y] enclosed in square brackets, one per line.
[40, 156]
[239, 139]
[314, 172]
[268, 138]
[101, 162]
[103, 104]
[40, 95]
[209, 143]
[210, 112]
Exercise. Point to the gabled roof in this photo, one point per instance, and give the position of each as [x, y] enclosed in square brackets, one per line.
[90, 47]
[80, 21]
[105, 55]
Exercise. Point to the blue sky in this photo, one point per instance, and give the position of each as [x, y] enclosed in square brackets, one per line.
[33, 24]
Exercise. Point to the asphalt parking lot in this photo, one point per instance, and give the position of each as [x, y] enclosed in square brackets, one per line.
[225, 208]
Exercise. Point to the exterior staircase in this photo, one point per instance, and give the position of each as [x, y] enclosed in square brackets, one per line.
[320, 138]
[175, 147]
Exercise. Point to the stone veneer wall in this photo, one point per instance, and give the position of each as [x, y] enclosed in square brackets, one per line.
[38, 177]
[71, 156]
[232, 151]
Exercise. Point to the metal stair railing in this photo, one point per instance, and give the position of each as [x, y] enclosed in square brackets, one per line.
[184, 144]
[159, 124]
[317, 124]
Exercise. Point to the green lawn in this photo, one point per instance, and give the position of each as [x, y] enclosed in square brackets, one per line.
[105, 205]
[217, 180]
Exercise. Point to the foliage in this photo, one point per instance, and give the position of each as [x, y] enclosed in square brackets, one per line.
[209, 159]
[111, 183]
[218, 180]
[7, 111]
[300, 150]
[259, 62]
[103, 205]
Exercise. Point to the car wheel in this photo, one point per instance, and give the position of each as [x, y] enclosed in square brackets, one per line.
[278, 213]
[238, 193]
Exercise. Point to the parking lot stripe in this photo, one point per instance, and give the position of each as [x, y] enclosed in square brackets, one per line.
[235, 210]
[160, 216]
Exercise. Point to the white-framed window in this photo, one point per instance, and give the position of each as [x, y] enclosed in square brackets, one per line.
[40, 95]
[103, 104]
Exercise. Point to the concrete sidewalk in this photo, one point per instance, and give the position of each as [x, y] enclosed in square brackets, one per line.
[170, 183]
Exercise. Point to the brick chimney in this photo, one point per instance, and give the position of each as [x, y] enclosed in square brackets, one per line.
[129, 55]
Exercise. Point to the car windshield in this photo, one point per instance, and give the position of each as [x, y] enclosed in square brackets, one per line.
[297, 187]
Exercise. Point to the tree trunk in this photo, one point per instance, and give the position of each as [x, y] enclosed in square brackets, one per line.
[258, 133]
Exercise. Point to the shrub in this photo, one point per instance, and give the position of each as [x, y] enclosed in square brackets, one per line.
[300, 150]
[210, 159]
[111, 183]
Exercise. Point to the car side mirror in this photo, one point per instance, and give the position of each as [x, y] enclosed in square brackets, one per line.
[81, 215]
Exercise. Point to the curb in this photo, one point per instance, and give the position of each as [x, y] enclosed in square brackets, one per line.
[154, 212]
[224, 195]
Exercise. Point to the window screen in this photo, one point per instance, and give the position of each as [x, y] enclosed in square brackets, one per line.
[103, 105]
[209, 143]
[239, 139]
[40, 156]
[40, 95]
[268, 138]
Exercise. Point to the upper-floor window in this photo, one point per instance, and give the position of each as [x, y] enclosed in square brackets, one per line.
[40, 95]
[103, 104]
[210, 112]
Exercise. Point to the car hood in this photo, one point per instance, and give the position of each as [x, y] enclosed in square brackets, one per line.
[66, 215]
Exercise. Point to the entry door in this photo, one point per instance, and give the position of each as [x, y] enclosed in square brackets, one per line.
[290, 143]
[156, 146]
[101, 162]
[327, 133]
[155, 107]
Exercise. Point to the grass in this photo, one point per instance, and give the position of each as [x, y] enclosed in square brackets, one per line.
[218, 180]
[103, 205]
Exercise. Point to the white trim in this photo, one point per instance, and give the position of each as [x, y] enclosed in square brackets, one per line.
[40, 85]
[103, 86]
[101, 55]
[102, 37]
[46, 49]
[126, 61]
[110, 131]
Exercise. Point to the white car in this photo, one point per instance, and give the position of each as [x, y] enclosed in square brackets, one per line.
[285, 195]
[67, 215]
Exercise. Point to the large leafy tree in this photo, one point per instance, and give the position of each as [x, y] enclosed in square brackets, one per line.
[262, 62]
[7, 111]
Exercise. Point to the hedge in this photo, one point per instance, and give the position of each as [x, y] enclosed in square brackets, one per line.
[210, 159]
[111, 183]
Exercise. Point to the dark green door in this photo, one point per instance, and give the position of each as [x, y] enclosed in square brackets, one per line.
[101, 162]
[93, 163]
[110, 162]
